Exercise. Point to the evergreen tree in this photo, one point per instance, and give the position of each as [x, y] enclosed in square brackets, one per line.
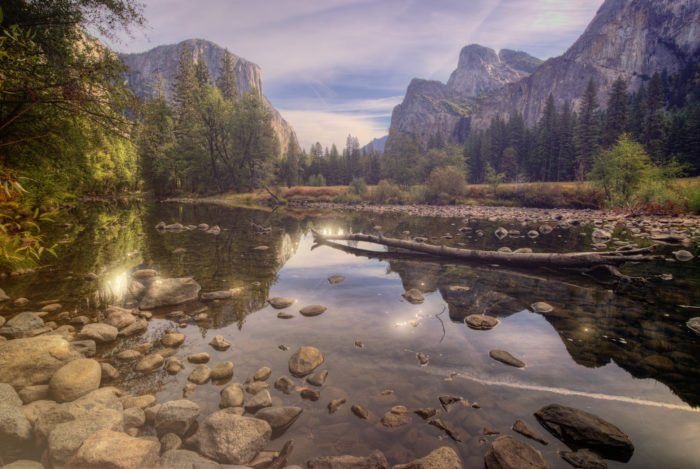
[616, 114]
[654, 130]
[567, 150]
[227, 77]
[587, 136]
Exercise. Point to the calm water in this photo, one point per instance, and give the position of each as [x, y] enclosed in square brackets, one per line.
[623, 353]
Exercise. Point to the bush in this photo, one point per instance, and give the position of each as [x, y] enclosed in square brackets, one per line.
[358, 186]
[445, 185]
[317, 180]
[386, 192]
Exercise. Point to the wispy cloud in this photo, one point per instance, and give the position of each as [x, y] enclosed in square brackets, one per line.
[328, 56]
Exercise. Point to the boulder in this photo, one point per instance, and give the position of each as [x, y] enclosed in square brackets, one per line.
[119, 317]
[222, 370]
[99, 332]
[15, 431]
[581, 429]
[305, 360]
[508, 453]
[169, 291]
[65, 438]
[376, 460]
[231, 439]
[32, 393]
[280, 302]
[25, 362]
[312, 310]
[75, 379]
[8, 395]
[176, 417]
[139, 326]
[184, 459]
[149, 363]
[414, 296]
[114, 450]
[232, 396]
[279, 418]
[441, 458]
[24, 325]
[259, 401]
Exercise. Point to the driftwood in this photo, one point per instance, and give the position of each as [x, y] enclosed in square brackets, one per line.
[569, 259]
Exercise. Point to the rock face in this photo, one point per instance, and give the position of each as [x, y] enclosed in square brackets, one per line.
[583, 430]
[159, 65]
[631, 39]
[170, 291]
[25, 362]
[231, 439]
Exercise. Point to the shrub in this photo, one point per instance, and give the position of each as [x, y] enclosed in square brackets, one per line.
[386, 192]
[358, 186]
[317, 180]
[445, 185]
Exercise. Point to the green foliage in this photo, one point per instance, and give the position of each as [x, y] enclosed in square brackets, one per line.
[317, 180]
[386, 192]
[358, 186]
[445, 185]
[493, 178]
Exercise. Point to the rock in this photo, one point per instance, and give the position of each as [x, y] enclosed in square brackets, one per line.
[114, 450]
[360, 411]
[52, 308]
[508, 453]
[170, 442]
[231, 439]
[32, 393]
[87, 348]
[134, 418]
[24, 325]
[232, 396]
[108, 372]
[172, 339]
[305, 360]
[481, 322]
[15, 431]
[446, 427]
[119, 317]
[24, 464]
[99, 332]
[176, 417]
[66, 438]
[441, 458]
[256, 386]
[169, 291]
[423, 359]
[20, 302]
[309, 394]
[128, 355]
[335, 405]
[9, 396]
[312, 310]
[600, 236]
[184, 459]
[426, 412]
[144, 274]
[262, 374]
[139, 326]
[285, 315]
[505, 357]
[214, 230]
[217, 295]
[222, 371]
[583, 458]
[446, 400]
[376, 460]
[682, 255]
[334, 279]
[318, 378]
[500, 232]
[3, 296]
[261, 248]
[142, 402]
[279, 418]
[220, 343]
[75, 379]
[149, 363]
[414, 296]
[280, 302]
[541, 307]
[200, 374]
[396, 417]
[581, 429]
[284, 384]
[694, 324]
[202, 357]
[522, 428]
[258, 401]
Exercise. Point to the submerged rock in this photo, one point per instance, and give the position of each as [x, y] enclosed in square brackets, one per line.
[220, 343]
[584, 430]
[334, 279]
[396, 417]
[262, 374]
[217, 295]
[279, 302]
[508, 453]
[584, 459]
[376, 460]
[169, 291]
[522, 428]
[318, 378]
[335, 405]
[312, 310]
[505, 357]
[284, 384]
[305, 360]
[279, 418]
[360, 411]
[480, 322]
[441, 458]
[414, 296]
[231, 439]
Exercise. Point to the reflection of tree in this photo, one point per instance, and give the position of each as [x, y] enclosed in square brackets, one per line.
[589, 319]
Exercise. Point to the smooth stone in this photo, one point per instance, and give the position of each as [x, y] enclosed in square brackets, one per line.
[4, 296]
[231, 439]
[134, 418]
[185, 459]
[582, 429]
[200, 374]
[318, 378]
[172, 339]
[376, 460]
[23, 325]
[414, 296]
[232, 396]
[542, 307]
[682, 255]
[176, 417]
[312, 310]
[149, 363]
[75, 379]
[262, 374]
[30, 394]
[220, 343]
[169, 292]
[335, 405]
[508, 453]
[282, 315]
[222, 370]
[202, 357]
[15, 430]
[139, 326]
[309, 394]
[99, 332]
[128, 355]
[335, 279]
[217, 295]
[52, 308]
[505, 357]
[280, 302]
[262, 247]
[119, 317]
[109, 372]
[284, 384]
[24, 464]
[426, 412]
[279, 418]
[142, 402]
[8, 395]
[441, 458]
[256, 386]
[25, 362]
[522, 428]
[258, 401]
[396, 417]
[188, 389]
[170, 442]
[115, 450]
[584, 459]
[21, 302]
[305, 360]
[360, 411]
[694, 324]
[481, 322]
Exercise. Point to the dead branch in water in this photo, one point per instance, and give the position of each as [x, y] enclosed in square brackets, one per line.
[569, 259]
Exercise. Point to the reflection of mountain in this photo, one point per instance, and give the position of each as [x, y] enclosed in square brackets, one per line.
[595, 324]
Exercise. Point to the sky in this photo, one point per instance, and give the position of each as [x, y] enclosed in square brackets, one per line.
[334, 67]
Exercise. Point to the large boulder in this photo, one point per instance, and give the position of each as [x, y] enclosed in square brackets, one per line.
[176, 417]
[581, 429]
[231, 439]
[442, 458]
[279, 418]
[508, 453]
[8, 395]
[376, 460]
[15, 431]
[170, 291]
[24, 325]
[305, 360]
[119, 317]
[184, 459]
[75, 379]
[25, 362]
[115, 450]
[99, 332]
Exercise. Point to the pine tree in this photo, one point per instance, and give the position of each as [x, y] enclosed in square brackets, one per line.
[654, 130]
[587, 135]
[567, 151]
[547, 153]
[616, 114]
[227, 77]
[201, 71]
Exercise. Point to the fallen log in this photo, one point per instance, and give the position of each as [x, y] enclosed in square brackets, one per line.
[568, 259]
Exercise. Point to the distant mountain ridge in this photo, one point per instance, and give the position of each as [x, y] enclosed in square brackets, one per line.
[154, 70]
[377, 144]
[628, 38]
